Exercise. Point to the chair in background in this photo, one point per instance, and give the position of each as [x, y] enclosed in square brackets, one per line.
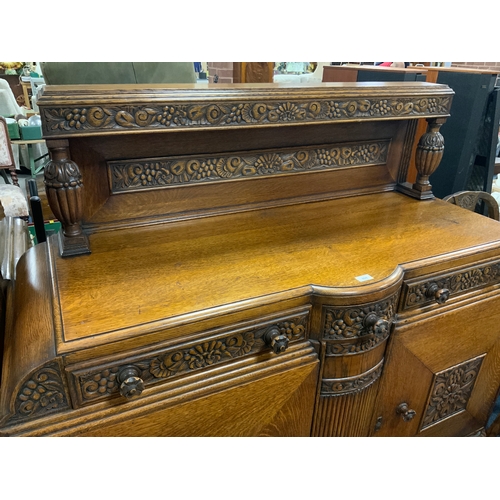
[471, 199]
[6, 156]
[12, 197]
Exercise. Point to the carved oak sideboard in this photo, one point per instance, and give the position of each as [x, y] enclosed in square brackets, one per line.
[250, 260]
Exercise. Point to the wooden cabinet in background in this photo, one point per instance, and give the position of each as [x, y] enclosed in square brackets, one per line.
[16, 87]
[251, 261]
[253, 72]
[370, 73]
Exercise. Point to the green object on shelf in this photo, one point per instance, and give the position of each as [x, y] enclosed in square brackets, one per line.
[32, 133]
[51, 227]
[13, 129]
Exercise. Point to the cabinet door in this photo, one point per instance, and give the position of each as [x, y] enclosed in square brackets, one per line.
[442, 372]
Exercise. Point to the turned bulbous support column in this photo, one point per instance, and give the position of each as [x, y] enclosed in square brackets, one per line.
[428, 156]
[64, 189]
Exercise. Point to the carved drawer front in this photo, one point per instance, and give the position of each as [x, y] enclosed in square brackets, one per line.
[127, 377]
[439, 288]
[357, 329]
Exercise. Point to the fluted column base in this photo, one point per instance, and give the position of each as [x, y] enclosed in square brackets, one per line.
[76, 245]
[64, 188]
[427, 158]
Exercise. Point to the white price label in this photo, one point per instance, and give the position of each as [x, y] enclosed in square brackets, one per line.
[365, 277]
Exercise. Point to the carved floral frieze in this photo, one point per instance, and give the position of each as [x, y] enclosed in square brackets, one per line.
[346, 331]
[451, 391]
[462, 281]
[204, 355]
[172, 362]
[174, 115]
[350, 385]
[159, 172]
[41, 394]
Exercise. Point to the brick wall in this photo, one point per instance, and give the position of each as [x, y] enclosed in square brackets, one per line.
[493, 66]
[223, 69]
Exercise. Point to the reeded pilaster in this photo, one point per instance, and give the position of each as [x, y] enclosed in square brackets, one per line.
[353, 343]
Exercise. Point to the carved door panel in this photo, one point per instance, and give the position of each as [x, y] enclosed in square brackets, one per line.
[442, 373]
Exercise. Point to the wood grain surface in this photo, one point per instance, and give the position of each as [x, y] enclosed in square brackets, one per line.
[255, 255]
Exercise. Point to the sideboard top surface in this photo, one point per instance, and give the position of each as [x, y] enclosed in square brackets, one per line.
[257, 257]
[60, 93]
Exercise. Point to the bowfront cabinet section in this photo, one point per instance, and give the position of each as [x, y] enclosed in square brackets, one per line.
[353, 334]
[443, 366]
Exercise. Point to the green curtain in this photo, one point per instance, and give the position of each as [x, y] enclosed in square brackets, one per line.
[75, 73]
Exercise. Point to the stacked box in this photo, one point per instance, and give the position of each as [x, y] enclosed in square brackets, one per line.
[12, 129]
[31, 133]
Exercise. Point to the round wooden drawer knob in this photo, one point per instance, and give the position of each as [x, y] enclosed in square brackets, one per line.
[440, 295]
[276, 340]
[131, 385]
[404, 410]
[375, 323]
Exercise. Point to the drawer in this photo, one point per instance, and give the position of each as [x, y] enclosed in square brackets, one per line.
[438, 288]
[125, 377]
[357, 329]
